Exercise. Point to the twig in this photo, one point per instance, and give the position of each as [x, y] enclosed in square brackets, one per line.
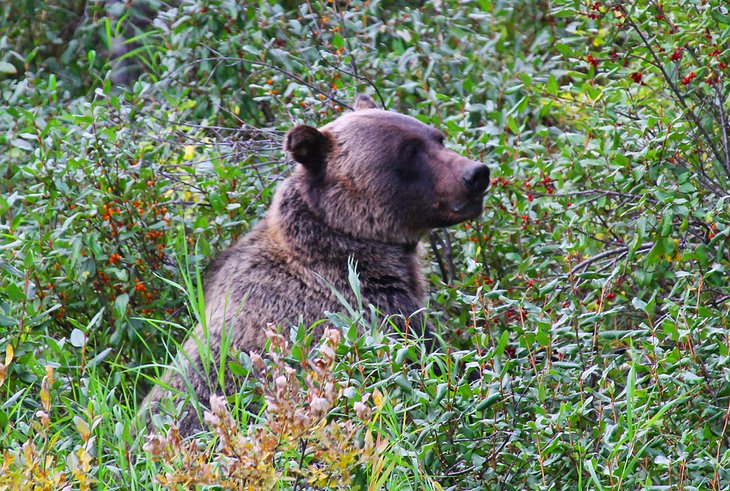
[288, 74]
[723, 126]
[677, 93]
[608, 253]
[594, 191]
[434, 247]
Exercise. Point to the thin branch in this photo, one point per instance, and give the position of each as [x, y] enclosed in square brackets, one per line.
[723, 126]
[432, 237]
[611, 252]
[677, 93]
[602, 192]
[288, 74]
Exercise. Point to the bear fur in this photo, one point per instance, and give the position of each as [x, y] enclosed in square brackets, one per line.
[368, 186]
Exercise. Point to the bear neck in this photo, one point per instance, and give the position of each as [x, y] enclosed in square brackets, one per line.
[308, 235]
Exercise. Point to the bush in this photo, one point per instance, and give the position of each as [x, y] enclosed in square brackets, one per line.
[586, 311]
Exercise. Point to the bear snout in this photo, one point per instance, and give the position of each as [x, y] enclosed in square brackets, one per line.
[476, 179]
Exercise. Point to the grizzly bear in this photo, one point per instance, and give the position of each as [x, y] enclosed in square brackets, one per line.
[368, 186]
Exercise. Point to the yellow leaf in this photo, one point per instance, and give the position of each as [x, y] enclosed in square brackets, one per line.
[49, 374]
[83, 428]
[377, 398]
[46, 394]
[677, 253]
[8, 459]
[84, 459]
[9, 353]
[189, 152]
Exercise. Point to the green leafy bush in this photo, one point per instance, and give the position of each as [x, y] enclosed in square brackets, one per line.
[585, 313]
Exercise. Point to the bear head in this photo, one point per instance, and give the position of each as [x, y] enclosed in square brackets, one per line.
[381, 175]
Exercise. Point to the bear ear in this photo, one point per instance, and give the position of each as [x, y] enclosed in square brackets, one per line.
[308, 146]
[364, 101]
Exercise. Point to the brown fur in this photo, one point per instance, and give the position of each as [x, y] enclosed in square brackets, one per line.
[369, 186]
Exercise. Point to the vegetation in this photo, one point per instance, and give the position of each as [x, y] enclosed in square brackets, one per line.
[584, 315]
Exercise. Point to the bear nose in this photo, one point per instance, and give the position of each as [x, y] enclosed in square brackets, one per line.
[477, 179]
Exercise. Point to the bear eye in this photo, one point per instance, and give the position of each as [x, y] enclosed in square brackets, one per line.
[410, 150]
[406, 166]
[440, 139]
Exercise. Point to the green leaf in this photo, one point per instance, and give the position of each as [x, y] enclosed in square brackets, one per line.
[512, 125]
[8, 68]
[503, 340]
[721, 18]
[638, 303]
[120, 304]
[99, 358]
[552, 85]
[667, 223]
[77, 338]
[237, 369]
[14, 292]
[564, 50]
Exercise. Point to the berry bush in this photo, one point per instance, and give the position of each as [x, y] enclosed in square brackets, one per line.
[584, 316]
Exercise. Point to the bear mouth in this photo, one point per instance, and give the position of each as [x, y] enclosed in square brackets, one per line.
[461, 211]
[459, 208]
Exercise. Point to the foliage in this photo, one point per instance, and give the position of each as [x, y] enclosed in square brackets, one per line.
[294, 442]
[584, 314]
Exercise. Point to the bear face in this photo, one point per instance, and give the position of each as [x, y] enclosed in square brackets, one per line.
[381, 175]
